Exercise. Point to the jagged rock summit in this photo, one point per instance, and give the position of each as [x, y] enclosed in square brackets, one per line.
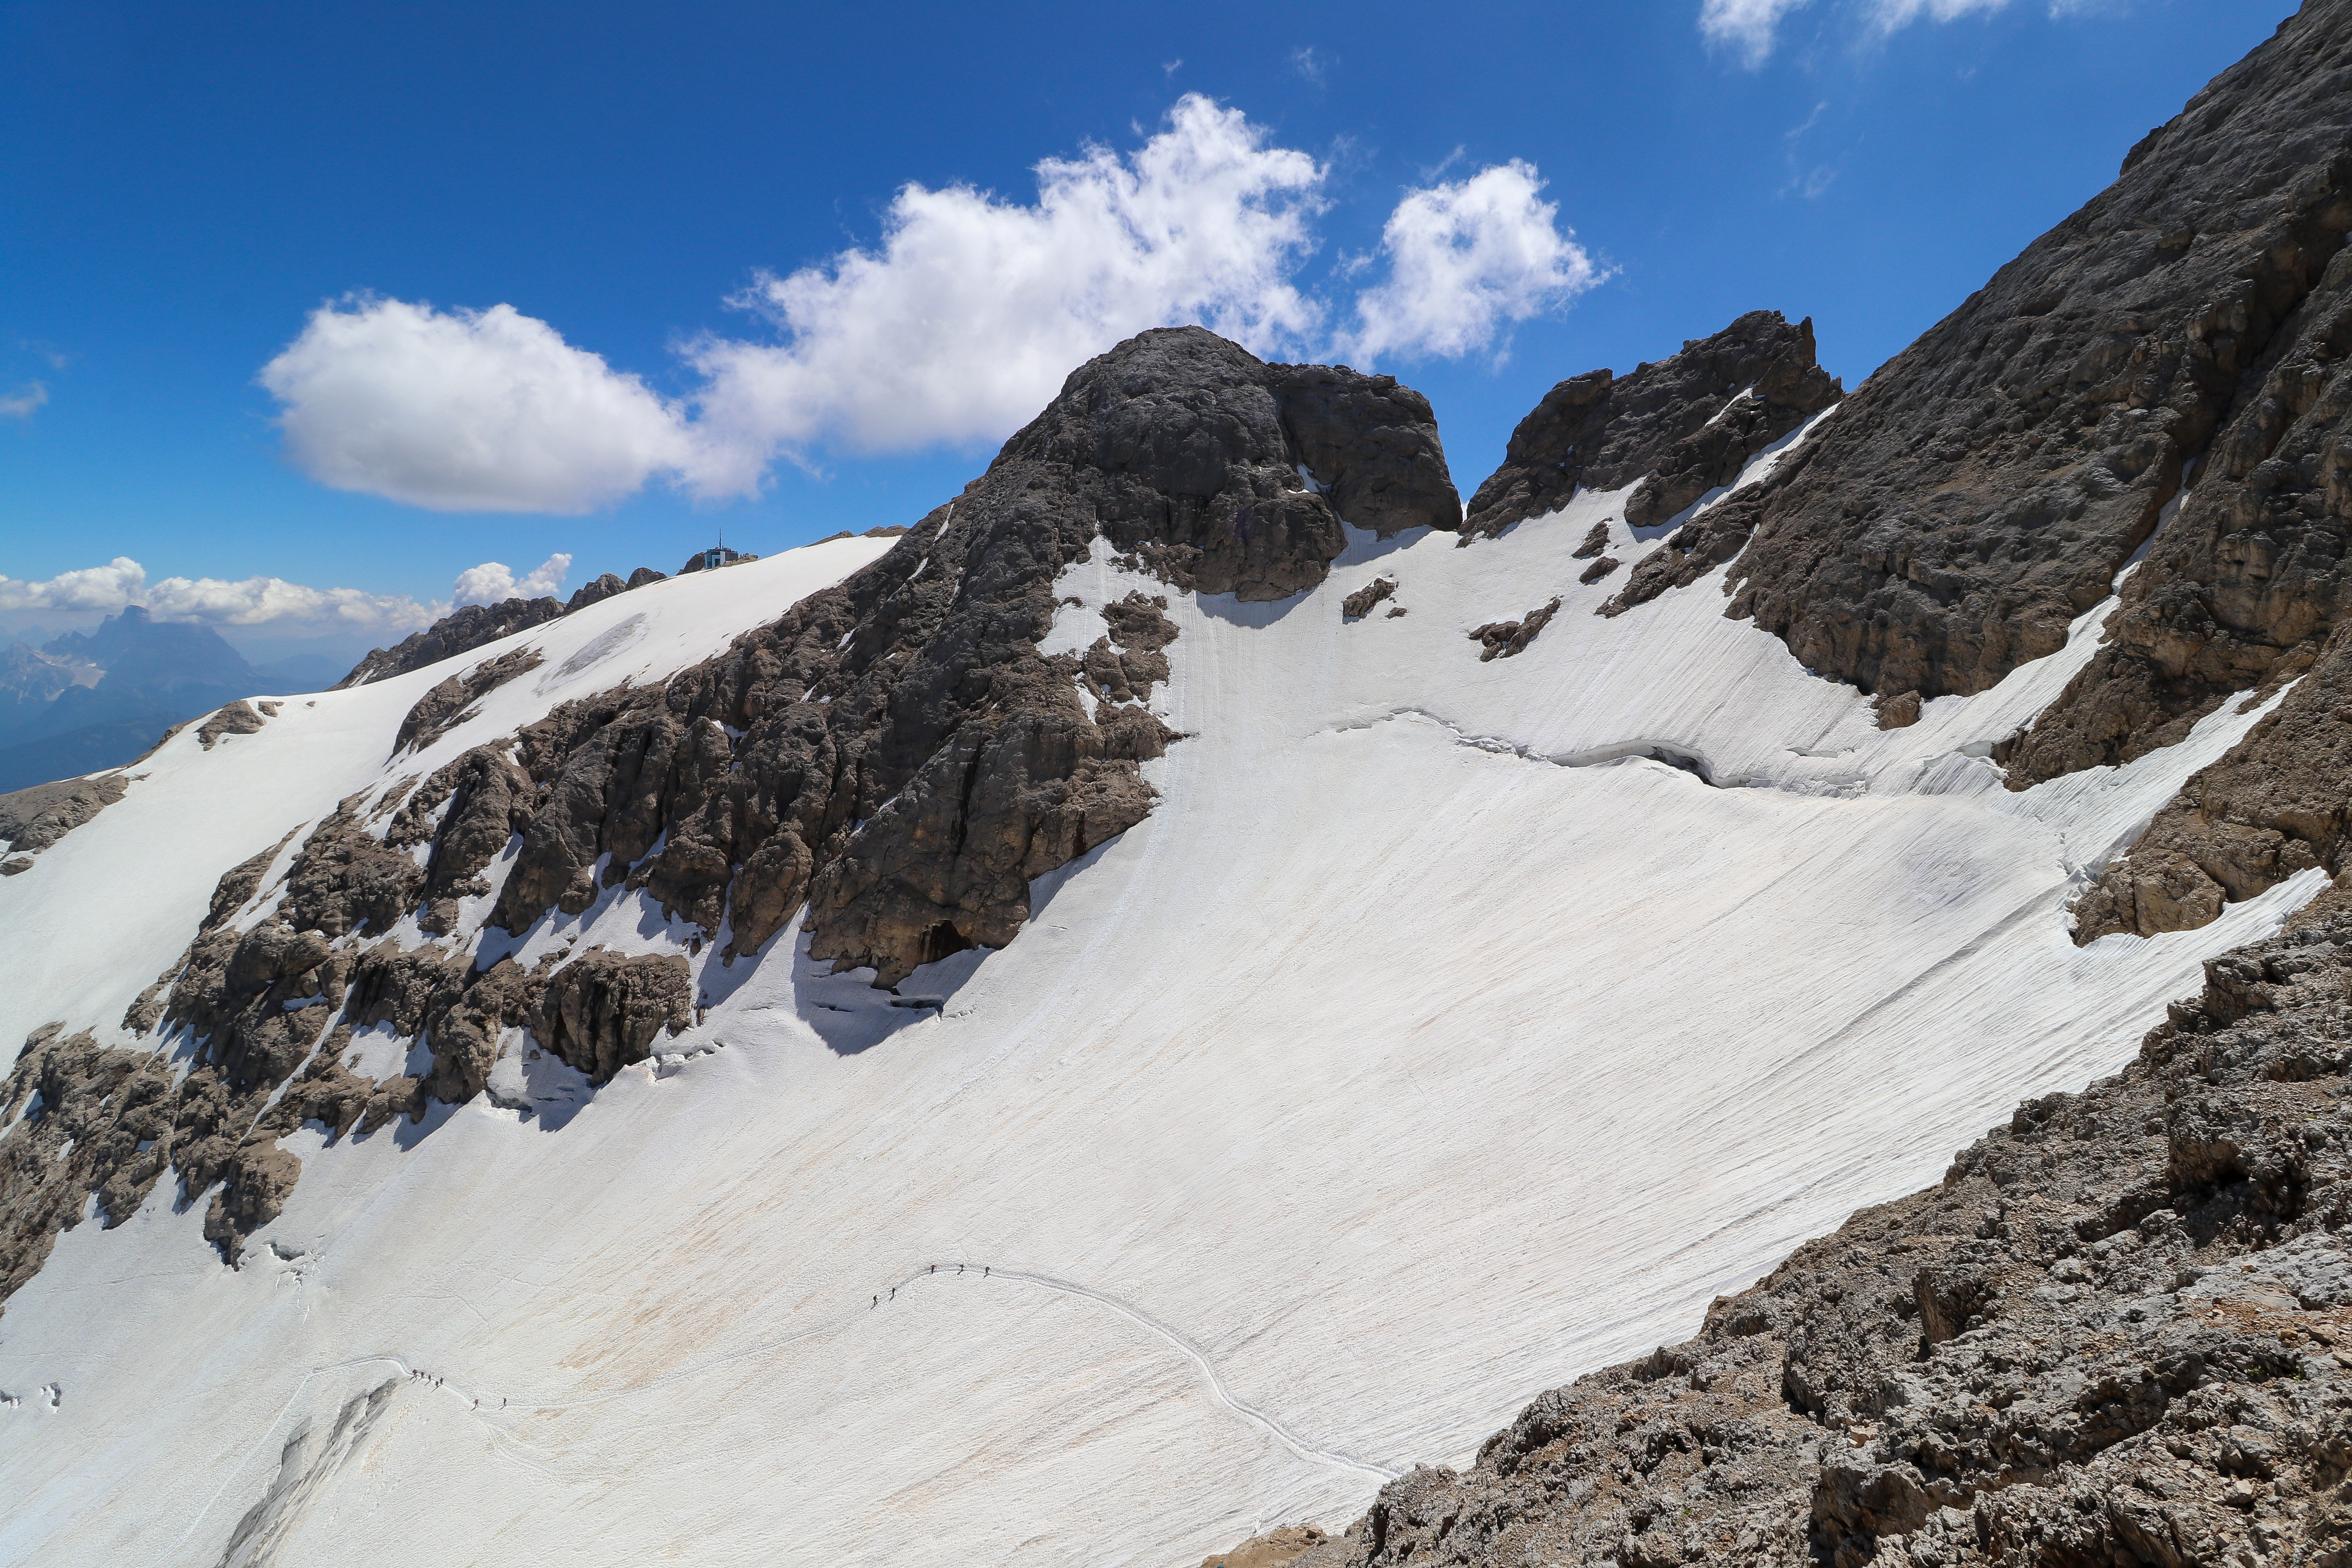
[1674, 429]
[1985, 487]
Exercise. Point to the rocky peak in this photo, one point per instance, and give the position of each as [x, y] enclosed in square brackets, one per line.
[1983, 487]
[893, 756]
[136, 650]
[1681, 426]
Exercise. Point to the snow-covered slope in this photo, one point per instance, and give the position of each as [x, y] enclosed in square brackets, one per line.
[1428, 1043]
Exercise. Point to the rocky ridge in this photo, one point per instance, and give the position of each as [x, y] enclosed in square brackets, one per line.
[1675, 428]
[894, 755]
[1984, 488]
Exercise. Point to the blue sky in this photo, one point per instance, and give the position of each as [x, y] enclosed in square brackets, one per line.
[707, 198]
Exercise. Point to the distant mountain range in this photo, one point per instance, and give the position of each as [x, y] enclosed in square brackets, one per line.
[95, 699]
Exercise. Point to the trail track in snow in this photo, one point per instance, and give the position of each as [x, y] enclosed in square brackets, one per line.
[477, 1403]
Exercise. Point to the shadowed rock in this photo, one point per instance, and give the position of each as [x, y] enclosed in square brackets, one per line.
[1679, 427]
[1983, 487]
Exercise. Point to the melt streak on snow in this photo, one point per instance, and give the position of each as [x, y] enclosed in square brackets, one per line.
[1428, 1045]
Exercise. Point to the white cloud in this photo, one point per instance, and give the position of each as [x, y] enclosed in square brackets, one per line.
[493, 581]
[957, 326]
[1312, 67]
[20, 403]
[1887, 16]
[966, 320]
[254, 600]
[106, 587]
[1467, 261]
[1751, 27]
[1748, 26]
[467, 411]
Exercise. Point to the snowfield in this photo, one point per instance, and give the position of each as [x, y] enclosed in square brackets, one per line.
[1431, 1044]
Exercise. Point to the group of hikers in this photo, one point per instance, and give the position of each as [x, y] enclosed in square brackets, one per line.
[415, 1376]
[935, 1268]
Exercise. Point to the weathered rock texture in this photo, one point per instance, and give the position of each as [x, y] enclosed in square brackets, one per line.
[1679, 427]
[2119, 1332]
[32, 819]
[1507, 639]
[1359, 605]
[912, 698]
[1275, 1549]
[462, 630]
[451, 702]
[236, 718]
[2278, 803]
[1983, 489]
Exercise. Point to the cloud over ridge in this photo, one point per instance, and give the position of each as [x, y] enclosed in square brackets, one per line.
[958, 324]
[270, 601]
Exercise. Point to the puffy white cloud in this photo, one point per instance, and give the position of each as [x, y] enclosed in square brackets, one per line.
[966, 318]
[106, 587]
[467, 410]
[1468, 260]
[253, 601]
[493, 581]
[957, 325]
[20, 403]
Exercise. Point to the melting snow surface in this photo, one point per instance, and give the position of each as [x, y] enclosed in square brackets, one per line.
[1432, 1042]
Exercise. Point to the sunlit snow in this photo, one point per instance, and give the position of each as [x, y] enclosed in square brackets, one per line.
[1429, 1043]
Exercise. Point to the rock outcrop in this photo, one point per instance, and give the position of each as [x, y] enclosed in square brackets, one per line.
[1507, 639]
[462, 630]
[599, 589]
[1983, 489]
[1679, 427]
[907, 761]
[603, 1011]
[31, 820]
[452, 701]
[2276, 804]
[2119, 1332]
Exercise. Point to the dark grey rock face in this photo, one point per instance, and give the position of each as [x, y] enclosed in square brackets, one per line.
[1983, 487]
[1688, 422]
[462, 630]
[2119, 1332]
[913, 700]
[1372, 444]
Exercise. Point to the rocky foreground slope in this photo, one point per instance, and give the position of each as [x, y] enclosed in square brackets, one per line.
[2118, 1332]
